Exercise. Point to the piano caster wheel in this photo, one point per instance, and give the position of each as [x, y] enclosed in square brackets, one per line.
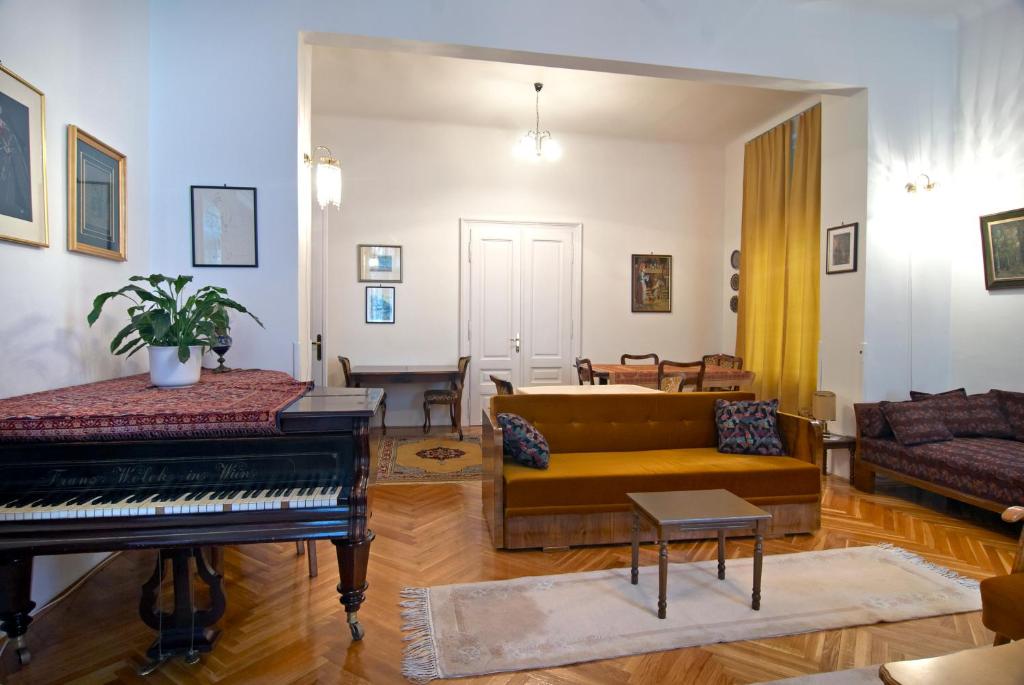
[355, 627]
[24, 656]
[191, 658]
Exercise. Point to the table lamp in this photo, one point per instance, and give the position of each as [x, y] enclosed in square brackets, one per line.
[823, 408]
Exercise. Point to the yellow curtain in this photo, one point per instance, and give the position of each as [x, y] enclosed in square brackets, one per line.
[777, 328]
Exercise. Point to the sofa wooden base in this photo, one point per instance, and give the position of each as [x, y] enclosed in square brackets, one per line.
[864, 480]
[609, 528]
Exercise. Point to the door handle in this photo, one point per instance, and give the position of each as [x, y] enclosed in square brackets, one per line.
[318, 344]
[516, 341]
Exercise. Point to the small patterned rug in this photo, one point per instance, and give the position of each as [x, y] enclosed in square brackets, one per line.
[428, 459]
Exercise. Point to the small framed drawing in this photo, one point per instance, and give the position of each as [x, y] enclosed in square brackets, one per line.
[1002, 246]
[380, 304]
[96, 197]
[22, 162]
[651, 289]
[380, 263]
[841, 249]
[224, 226]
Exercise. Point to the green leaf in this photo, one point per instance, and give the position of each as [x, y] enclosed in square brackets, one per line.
[184, 352]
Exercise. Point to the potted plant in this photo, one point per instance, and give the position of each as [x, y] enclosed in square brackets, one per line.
[175, 329]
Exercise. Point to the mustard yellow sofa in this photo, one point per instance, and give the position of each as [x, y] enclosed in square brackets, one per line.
[603, 446]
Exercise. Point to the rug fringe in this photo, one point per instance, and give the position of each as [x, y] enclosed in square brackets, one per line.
[963, 581]
[419, 659]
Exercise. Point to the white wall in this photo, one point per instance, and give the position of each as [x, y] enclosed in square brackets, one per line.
[91, 62]
[987, 326]
[224, 80]
[409, 183]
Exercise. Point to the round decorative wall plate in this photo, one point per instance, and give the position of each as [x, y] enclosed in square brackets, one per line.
[734, 282]
[734, 303]
[734, 259]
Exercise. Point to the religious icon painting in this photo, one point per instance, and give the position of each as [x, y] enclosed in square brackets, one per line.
[651, 283]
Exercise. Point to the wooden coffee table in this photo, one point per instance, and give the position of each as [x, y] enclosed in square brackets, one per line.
[674, 512]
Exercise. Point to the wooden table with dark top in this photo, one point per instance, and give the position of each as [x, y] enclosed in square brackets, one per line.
[719, 510]
[835, 441]
[426, 373]
[1002, 665]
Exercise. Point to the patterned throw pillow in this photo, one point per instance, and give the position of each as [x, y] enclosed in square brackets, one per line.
[523, 442]
[918, 395]
[871, 421]
[915, 423]
[971, 416]
[1012, 404]
[748, 427]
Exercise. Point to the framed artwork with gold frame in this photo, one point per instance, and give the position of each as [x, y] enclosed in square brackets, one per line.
[96, 197]
[23, 203]
[1002, 246]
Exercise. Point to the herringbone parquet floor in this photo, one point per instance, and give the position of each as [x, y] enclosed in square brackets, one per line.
[282, 627]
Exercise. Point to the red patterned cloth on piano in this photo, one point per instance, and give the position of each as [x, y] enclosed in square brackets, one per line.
[235, 404]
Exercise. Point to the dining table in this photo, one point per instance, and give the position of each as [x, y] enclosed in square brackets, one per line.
[618, 389]
[423, 373]
[646, 375]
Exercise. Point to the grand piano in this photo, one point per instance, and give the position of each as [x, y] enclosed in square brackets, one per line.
[185, 494]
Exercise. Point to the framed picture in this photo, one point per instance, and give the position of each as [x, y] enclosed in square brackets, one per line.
[651, 289]
[380, 263]
[96, 197]
[224, 226]
[380, 304]
[1002, 246]
[22, 162]
[841, 249]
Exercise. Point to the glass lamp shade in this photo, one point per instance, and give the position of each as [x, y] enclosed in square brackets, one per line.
[526, 147]
[551, 149]
[328, 182]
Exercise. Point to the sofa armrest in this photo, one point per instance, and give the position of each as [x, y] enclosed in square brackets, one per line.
[492, 488]
[801, 437]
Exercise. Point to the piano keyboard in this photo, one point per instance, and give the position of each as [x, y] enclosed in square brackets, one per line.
[77, 506]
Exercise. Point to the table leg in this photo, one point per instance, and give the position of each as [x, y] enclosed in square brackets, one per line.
[662, 578]
[721, 555]
[755, 602]
[634, 572]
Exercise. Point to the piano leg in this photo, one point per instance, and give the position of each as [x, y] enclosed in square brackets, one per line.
[353, 557]
[16, 603]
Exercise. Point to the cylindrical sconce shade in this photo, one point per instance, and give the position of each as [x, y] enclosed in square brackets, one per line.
[328, 182]
[823, 407]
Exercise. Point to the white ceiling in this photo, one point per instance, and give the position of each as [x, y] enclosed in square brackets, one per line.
[404, 85]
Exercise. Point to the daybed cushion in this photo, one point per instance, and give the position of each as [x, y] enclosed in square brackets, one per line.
[970, 416]
[1013, 408]
[584, 482]
[989, 468]
[915, 423]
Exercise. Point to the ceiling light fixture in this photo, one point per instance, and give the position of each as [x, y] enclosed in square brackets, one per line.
[536, 144]
[328, 178]
[928, 184]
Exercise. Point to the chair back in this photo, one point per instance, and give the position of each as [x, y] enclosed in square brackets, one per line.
[726, 361]
[635, 357]
[346, 371]
[503, 386]
[584, 371]
[463, 368]
[678, 382]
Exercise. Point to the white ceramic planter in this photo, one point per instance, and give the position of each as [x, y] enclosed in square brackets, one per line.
[165, 371]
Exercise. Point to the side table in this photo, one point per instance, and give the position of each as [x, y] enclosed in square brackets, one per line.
[835, 441]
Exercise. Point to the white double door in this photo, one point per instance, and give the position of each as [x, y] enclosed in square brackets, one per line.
[523, 305]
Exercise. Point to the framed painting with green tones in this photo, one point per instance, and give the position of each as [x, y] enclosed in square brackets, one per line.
[1002, 246]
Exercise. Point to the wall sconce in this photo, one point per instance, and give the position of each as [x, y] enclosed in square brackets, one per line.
[913, 186]
[328, 177]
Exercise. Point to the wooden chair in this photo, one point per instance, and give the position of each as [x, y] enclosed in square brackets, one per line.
[451, 396]
[584, 371]
[726, 361]
[635, 357]
[1002, 597]
[678, 383]
[503, 386]
[346, 371]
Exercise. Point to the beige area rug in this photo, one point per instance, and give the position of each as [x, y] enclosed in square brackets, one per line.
[545, 621]
[429, 459]
[853, 676]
